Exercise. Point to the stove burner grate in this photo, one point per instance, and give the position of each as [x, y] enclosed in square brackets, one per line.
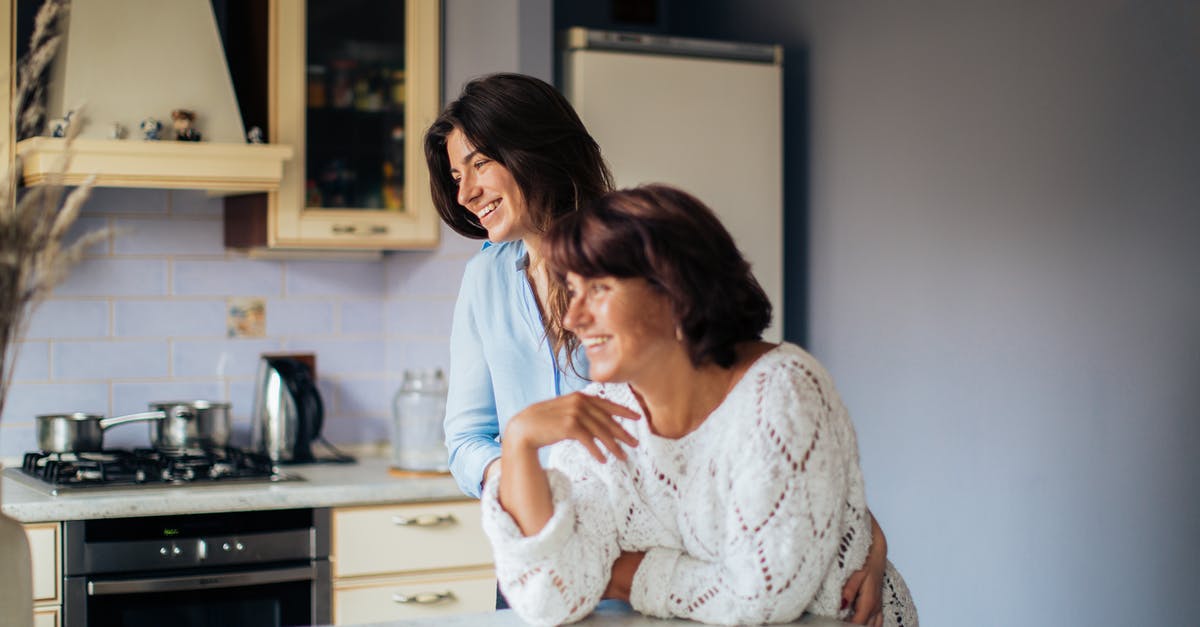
[146, 466]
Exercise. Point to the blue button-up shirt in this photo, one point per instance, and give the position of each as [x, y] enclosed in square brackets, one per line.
[500, 360]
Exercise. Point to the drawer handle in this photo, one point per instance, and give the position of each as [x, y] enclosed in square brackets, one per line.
[352, 229]
[424, 598]
[427, 520]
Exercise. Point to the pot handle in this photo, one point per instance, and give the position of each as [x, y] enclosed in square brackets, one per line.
[120, 420]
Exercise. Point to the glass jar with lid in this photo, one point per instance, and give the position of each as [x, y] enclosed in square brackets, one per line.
[418, 410]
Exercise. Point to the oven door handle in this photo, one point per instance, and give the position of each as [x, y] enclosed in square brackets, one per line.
[200, 582]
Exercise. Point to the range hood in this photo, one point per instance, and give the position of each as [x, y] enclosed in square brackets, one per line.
[122, 61]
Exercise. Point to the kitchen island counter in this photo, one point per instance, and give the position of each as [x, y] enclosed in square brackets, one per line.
[367, 482]
[607, 617]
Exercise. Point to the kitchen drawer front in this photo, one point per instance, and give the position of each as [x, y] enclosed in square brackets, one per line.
[404, 598]
[391, 539]
[46, 617]
[43, 549]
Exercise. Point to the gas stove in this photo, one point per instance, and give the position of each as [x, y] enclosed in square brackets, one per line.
[145, 468]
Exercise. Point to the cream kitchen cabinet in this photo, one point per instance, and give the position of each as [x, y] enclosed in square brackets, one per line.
[352, 87]
[47, 560]
[410, 561]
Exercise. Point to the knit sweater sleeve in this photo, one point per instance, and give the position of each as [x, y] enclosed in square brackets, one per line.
[559, 575]
[782, 494]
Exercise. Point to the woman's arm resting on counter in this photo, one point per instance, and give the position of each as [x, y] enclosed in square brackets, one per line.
[865, 587]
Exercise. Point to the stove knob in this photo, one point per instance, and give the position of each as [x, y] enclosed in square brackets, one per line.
[239, 546]
[162, 551]
[176, 550]
[225, 546]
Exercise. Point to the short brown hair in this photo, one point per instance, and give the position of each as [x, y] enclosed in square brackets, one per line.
[674, 241]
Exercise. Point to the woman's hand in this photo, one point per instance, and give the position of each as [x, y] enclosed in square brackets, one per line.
[524, 486]
[865, 586]
[623, 570]
[576, 416]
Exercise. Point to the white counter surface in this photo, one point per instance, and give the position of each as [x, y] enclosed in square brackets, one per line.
[602, 617]
[324, 485]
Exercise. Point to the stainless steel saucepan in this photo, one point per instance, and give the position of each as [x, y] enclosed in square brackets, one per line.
[190, 425]
[81, 432]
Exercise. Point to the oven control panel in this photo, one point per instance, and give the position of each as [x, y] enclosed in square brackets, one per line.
[130, 556]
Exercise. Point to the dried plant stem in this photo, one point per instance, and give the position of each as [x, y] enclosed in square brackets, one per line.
[34, 222]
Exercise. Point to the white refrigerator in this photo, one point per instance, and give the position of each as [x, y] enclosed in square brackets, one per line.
[702, 115]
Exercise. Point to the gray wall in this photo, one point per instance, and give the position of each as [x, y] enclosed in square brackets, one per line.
[1004, 278]
[485, 36]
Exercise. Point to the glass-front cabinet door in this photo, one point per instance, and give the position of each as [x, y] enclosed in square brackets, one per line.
[355, 85]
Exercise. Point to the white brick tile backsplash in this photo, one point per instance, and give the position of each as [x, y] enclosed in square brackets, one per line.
[365, 397]
[169, 318]
[241, 396]
[334, 278]
[109, 359]
[344, 357]
[220, 358]
[33, 361]
[419, 318]
[142, 318]
[293, 317]
[26, 400]
[16, 439]
[423, 274]
[409, 354]
[115, 277]
[362, 317]
[234, 277]
[72, 318]
[157, 236]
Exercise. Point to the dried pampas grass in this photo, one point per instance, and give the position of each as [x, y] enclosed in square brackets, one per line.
[34, 221]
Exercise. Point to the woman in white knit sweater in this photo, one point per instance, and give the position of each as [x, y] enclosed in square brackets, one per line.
[705, 474]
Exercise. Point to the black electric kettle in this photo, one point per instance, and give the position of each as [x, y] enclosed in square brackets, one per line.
[288, 412]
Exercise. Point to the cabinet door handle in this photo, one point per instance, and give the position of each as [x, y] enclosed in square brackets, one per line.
[426, 520]
[424, 598]
[352, 229]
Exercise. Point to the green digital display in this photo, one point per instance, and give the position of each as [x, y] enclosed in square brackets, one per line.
[170, 532]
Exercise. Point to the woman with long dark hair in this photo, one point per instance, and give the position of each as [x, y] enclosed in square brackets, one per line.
[507, 159]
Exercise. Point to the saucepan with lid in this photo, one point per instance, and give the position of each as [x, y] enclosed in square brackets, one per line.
[80, 432]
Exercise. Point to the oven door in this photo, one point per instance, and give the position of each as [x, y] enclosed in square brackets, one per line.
[281, 595]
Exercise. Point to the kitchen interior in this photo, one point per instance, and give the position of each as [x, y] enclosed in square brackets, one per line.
[989, 237]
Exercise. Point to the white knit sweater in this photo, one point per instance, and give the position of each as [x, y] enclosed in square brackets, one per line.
[756, 516]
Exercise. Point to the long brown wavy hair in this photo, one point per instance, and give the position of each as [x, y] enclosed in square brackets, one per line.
[527, 126]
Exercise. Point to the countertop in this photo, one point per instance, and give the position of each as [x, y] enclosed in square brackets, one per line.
[366, 482]
[602, 617]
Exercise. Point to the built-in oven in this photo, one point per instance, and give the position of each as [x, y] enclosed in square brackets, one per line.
[262, 568]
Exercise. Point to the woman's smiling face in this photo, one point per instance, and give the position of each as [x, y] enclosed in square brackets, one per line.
[626, 326]
[488, 190]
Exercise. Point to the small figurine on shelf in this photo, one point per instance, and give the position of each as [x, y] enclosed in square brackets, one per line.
[151, 127]
[58, 126]
[254, 135]
[182, 121]
[116, 131]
